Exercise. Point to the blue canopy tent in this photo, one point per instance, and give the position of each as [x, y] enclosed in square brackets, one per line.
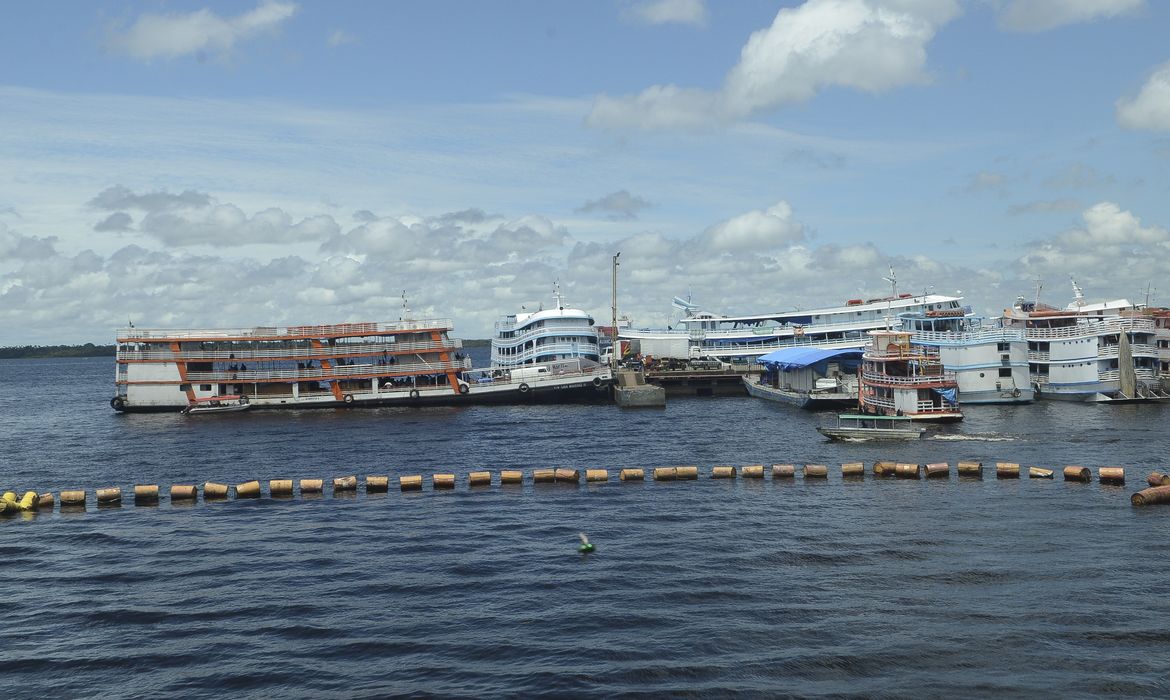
[788, 359]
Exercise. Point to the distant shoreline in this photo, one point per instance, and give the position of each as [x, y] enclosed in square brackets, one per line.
[30, 352]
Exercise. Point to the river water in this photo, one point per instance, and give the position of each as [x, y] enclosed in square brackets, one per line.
[962, 587]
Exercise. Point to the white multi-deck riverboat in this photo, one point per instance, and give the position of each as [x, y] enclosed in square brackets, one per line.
[899, 378]
[990, 361]
[409, 362]
[701, 334]
[545, 335]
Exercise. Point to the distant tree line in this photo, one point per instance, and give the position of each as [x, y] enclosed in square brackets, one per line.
[29, 351]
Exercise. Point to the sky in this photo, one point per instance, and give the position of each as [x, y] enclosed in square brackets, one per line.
[199, 164]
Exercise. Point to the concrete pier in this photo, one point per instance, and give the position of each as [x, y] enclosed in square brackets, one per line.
[630, 390]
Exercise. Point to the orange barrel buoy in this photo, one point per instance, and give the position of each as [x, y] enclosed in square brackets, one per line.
[907, 471]
[1038, 473]
[442, 481]
[722, 472]
[248, 489]
[311, 486]
[345, 483]
[1150, 496]
[145, 494]
[410, 483]
[479, 479]
[1158, 479]
[73, 498]
[971, 469]
[184, 492]
[883, 468]
[1078, 474]
[938, 470]
[214, 491]
[754, 471]
[632, 474]
[665, 474]
[544, 476]
[377, 484]
[567, 476]
[852, 470]
[45, 501]
[783, 471]
[596, 475]
[109, 496]
[511, 476]
[1007, 470]
[1111, 475]
[686, 473]
[816, 471]
[280, 488]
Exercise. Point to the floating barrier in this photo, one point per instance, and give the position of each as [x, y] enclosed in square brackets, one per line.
[45, 501]
[1007, 470]
[313, 486]
[184, 492]
[1038, 473]
[345, 483]
[511, 476]
[722, 472]
[665, 474]
[442, 481]
[73, 498]
[853, 470]
[686, 473]
[754, 471]
[1081, 474]
[280, 488]
[544, 476]
[479, 479]
[28, 501]
[1151, 496]
[1158, 479]
[410, 483]
[568, 476]
[816, 471]
[938, 470]
[145, 494]
[109, 496]
[903, 470]
[632, 474]
[248, 489]
[596, 475]
[213, 491]
[971, 469]
[884, 468]
[377, 484]
[1111, 475]
[783, 471]
[9, 497]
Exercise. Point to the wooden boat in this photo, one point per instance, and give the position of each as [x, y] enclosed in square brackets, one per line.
[218, 404]
[852, 426]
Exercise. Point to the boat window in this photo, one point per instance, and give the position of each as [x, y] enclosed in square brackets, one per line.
[204, 387]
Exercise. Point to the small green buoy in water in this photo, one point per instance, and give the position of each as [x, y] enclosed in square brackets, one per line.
[586, 546]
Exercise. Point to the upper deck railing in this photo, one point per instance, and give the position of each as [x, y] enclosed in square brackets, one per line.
[158, 353]
[155, 335]
[1091, 328]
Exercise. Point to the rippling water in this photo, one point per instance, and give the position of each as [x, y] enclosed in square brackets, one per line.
[876, 588]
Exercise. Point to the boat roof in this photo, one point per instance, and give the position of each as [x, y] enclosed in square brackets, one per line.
[894, 304]
[800, 357]
[863, 416]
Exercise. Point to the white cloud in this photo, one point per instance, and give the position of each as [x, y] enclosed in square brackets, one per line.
[1042, 15]
[1150, 110]
[200, 32]
[869, 45]
[16, 246]
[692, 12]
[339, 37]
[616, 205]
[770, 229]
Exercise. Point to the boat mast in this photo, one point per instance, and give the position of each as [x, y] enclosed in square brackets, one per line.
[893, 280]
[613, 355]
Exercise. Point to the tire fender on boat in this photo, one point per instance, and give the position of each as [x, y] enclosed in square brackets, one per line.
[464, 388]
[1016, 393]
[523, 388]
[414, 393]
[349, 398]
[597, 381]
[117, 403]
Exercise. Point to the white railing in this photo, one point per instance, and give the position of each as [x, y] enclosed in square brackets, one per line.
[1142, 349]
[319, 331]
[1037, 356]
[570, 349]
[926, 380]
[290, 353]
[989, 335]
[339, 372]
[920, 406]
[1091, 328]
[1115, 375]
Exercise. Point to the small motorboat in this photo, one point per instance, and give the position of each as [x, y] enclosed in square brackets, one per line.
[218, 404]
[853, 426]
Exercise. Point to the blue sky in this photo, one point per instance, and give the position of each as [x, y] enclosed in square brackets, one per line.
[255, 163]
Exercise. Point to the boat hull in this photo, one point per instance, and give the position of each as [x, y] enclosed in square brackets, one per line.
[813, 401]
[863, 434]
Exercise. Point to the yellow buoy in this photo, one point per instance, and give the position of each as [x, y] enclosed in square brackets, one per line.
[377, 484]
[511, 476]
[312, 486]
[9, 497]
[938, 470]
[28, 501]
[1082, 474]
[665, 474]
[442, 481]
[852, 470]
[1111, 475]
[632, 474]
[109, 496]
[145, 494]
[410, 483]
[596, 475]
[1007, 470]
[970, 469]
[248, 489]
[783, 471]
[1038, 473]
[479, 479]
[184, 492]
[722, 472]
[345, 483]
[686, 473]
[213, 491]
[280, 488]
[568, 476]
[73, 498]
[544, 476]
[752, 471]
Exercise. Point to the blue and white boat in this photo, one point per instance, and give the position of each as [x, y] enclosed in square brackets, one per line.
[989, 359]
[808, 377]
[545, 335]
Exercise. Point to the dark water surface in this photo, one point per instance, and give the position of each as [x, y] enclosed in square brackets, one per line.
[878, 588]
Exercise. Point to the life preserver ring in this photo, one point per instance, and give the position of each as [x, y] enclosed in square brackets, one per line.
[117, 403]
[597, 381]
[463, 388]
[414, 393]
[523, 388]
[1016, 393]
[349, 398]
